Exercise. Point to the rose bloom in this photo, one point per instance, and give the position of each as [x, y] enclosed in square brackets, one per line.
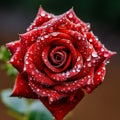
[57, 58]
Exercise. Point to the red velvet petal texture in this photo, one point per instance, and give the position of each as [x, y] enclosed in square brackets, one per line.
[22, 89]
[60, 108]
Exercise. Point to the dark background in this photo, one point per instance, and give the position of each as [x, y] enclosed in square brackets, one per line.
[104, 16]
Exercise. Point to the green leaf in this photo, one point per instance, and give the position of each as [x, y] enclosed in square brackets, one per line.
[38, 111]
[14, 103]
[4, 53]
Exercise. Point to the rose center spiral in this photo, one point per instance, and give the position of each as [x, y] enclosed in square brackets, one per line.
[58, 57]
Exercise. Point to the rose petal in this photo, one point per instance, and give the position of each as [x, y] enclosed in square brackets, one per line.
[60, 108]
[100, 49]
[43, 91]
[77, 84]
[51, 67]
[57, 23]
[13, 46]
[67, 74]
[72, 17]
[81, 43]
[61, 51]
[98, 77]
[22, 89]
[42, 17]
[17, 61]
[31, 69]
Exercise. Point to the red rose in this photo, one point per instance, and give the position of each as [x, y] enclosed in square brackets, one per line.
[57, 58]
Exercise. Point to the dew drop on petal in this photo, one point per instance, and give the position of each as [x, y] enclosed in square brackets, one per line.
[11, 60]
[89, 65]
[43, 14]
[38, 90]
[54, 34]
[103, 68]
[88, 25]
[78, 70]
[105, 55]
[90, 40]
[89, 58]
[96, 37]
[49, 16]
[102, 49]
[27, 62]
[78, 58]
[70, 15]
[108, 62]
[99, 73]
[94, 54]
[46, 36]
[67, 73]
[73, 70]
[42, 38]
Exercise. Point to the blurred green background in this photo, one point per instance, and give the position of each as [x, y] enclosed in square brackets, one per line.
[104, 16]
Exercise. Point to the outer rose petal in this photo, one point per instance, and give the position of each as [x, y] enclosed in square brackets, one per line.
[13, 46]
[75, 85]
[98, 77]
[72, 17]
[100, 49]
[17, 61]
[60, 108]
[22, 89]
[42, 16]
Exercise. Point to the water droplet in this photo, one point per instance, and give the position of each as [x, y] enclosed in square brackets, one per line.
[42, 38]
[85, 35]
[73, 70]
[89, 81]
[46, 36]
[89, 65]
[43, 14]
[27, 62]
[79, 38]
[49, 16]
[44, 92]
[105, 55]
[89, 58]
[79, 66]
[83, 29]
[103, 68]
[67, 73]
[78, 59]
[24, 69]
[102, 49]
[12, 60]
[78, 70]
[38, 90]
[51, 99]
[70, 15]
[63, 74]
[94, 54]
[88, 25]
[69, 88]
[96, 38]
[88, 76]
[99, 73]
[54, 34]
[90, 40]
